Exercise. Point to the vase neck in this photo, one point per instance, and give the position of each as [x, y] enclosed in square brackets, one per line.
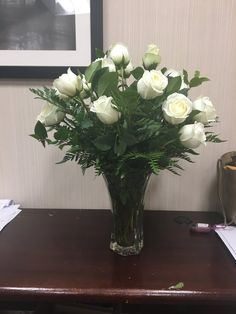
[127, 189]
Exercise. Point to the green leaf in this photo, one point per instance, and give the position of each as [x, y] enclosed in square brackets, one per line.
[38, 139]
[86, 123]
[120, 147]
[197, 73]
[148, 128]
[130, 97]
[129, 138]
[178, 286]
[68, 156]
[184, 91]
[191, 116]
[91, 70]
[99, 53]
[196, 81]
[97, 77]
[192, 152]
[185, 74]
[107, 83]
[163, 70]
[174, 84]
[211, 137]
[137, 73]
[62, 134]
[40, 131]
[104, 142]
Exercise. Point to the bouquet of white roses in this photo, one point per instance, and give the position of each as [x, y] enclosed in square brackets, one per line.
[118, 118]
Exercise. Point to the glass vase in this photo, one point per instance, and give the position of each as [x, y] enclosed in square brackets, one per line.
[127, 199]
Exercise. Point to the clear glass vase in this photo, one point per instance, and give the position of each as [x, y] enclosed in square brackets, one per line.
[127, 199]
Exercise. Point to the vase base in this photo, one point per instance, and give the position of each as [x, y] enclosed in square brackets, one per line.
[126, 250]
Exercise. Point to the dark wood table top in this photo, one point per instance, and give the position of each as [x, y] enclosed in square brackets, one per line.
[52, 255]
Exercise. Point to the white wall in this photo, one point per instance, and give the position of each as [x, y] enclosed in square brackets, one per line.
[192, 34]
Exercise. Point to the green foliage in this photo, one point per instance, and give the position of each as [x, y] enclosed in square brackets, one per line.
[91, 70]
[148, 160]
[197, 80]
[174, 84]
[104, 142]
[185, 75]
[107, 82]
[40, 132]
[61, 134]
[140, 139]
[211, 137]
[178, 286]
[137, 73]
[163, 70]
[99, 53]
[148, 128]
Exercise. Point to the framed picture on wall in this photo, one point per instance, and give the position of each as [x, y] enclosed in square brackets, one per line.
[42, 38]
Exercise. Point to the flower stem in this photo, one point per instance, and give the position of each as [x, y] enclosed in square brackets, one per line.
[83, 104]
[123, 83]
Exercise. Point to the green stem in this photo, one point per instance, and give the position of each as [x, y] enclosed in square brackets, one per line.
[83, 104]
[123, 81]
[127, 194]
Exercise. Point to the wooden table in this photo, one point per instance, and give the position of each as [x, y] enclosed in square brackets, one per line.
[63, 256]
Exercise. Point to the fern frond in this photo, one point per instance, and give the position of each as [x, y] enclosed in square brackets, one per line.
[210, 137]
[148, 129]
[68, 157]
[171, 169]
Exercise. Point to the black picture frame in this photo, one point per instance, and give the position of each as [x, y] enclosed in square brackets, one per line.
[50, 72]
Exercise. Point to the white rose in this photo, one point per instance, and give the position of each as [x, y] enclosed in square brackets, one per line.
[119, 54]
[176, 108]
[208, 112]
[152, 84]
[174, 73]
[62, 96]
[68, 84]
[192, 135]
[151, 57]
[105, 110]
[50, 115]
